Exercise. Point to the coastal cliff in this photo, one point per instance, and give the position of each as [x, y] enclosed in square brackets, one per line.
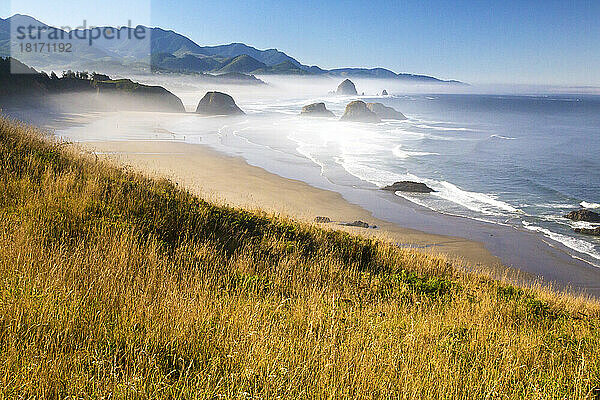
[22, 84]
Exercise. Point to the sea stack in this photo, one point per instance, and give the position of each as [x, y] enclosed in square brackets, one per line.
[217, 103]
[409, 186]
[358, 111]
[316, 110]
[346, 88]
[384, 112]
[384, 93]
[584, 215]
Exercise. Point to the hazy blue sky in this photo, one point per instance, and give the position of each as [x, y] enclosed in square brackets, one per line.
[524, 41]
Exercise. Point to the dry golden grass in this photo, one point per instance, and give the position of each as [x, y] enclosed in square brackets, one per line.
[113, 285]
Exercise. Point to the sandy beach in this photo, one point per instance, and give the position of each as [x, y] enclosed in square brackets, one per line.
[230, 180]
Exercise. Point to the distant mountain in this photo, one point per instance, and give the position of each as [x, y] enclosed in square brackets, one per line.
[269, 57]
[170, 51]
[314, 70]
[379, 73]
[284, 68]
[425, 78]
[233, 78]
[166, 41]
[382, 73]
[186, 63]
[243, 64]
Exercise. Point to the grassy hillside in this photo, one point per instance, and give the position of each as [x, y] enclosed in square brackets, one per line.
[117, 286]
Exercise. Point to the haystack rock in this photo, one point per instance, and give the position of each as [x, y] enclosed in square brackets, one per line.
[358, 111]
[346, 88]
[316, 110]
[384, 112]
[384, 93]
[217, 103]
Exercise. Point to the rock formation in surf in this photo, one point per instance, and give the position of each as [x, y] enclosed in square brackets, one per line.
[384, 93]
[217, 103]
[384, 112]
[408, 186]
[316, 110]
[346, 88]
[359, 112]
[583, 215]
[588, 231]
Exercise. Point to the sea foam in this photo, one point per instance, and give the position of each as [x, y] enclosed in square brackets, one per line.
[585, 204]
[578, 245]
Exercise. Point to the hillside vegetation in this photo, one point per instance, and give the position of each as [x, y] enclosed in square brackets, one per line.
[20, 83]
[113, 285]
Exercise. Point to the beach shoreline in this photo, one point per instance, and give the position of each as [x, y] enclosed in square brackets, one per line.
[292, 187]
[230, 180]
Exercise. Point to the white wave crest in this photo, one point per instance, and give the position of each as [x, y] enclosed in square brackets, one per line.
[583, 224]
[404, 154]
[503, 137]
[578, 245]
[442, 128]
[474, 201]
[555, 205]
[585, 204]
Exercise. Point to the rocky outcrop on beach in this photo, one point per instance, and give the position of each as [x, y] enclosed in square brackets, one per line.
[588, 231]
[359, 112]
[346, 88]
[217, 103]
[316, 110]
[408, 186]
[583, 215]
[358, 224]
[322, 220]
[385, 112]
[384, 93]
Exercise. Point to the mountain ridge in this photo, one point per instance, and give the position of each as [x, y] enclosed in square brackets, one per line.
[168, 50]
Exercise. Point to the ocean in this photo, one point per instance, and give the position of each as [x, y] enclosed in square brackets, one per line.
[523, 161]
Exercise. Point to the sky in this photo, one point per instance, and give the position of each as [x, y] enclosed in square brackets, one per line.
[488, 42]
